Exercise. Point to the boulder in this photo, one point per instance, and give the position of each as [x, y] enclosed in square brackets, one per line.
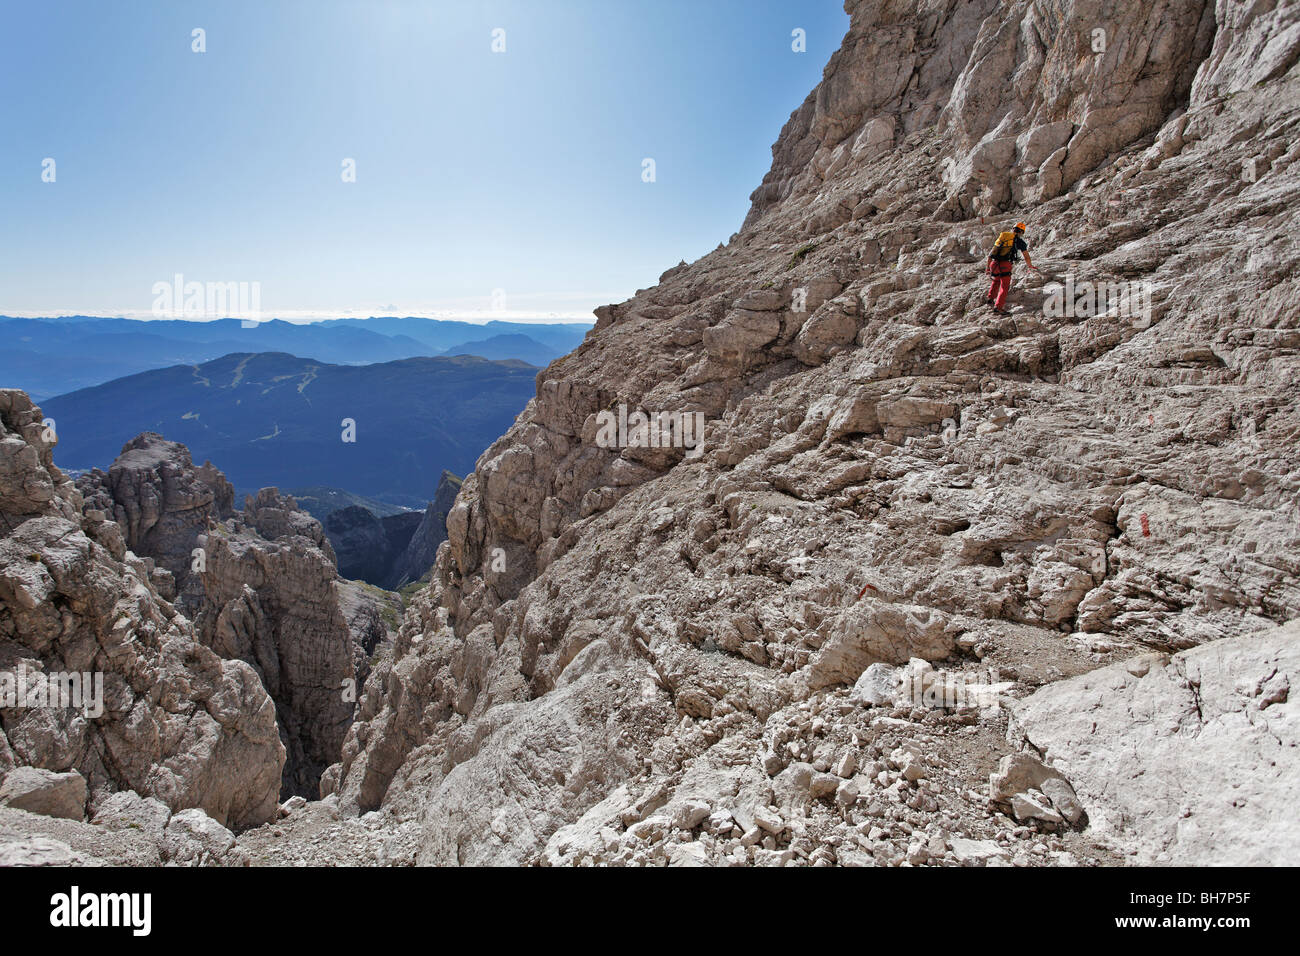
[877, 686]
[828, 330]
[45, 792]
[737, 339]
[127, 810]
[874, 631]
[192, 838]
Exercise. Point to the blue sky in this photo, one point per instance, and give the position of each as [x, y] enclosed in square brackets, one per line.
[475, 171]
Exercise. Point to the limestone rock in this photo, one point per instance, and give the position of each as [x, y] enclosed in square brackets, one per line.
[876, 686]
[417, 559]
[1063, 798]
[1188, 763]
[41, 851]
[267, 592]
[975, 852]
[738, 338]
[162, 502]
[1019, 773]
[192, 838]
[177, 722]
[127, 810]
[45, 792]
[271, 600]
[873, 632]
[832, 327]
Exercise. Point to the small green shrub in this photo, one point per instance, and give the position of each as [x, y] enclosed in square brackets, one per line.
[800, 253]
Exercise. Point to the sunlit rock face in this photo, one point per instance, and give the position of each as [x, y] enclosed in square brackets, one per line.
[174, 720]
[623, 644]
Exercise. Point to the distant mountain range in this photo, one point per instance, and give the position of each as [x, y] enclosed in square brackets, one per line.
[276, 419]
[522, 347]
[52, 356]
[446, 334]
[321, 502]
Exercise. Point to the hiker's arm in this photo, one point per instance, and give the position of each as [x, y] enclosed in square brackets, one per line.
[1028, 263]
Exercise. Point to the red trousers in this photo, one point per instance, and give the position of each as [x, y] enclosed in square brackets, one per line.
[1001, 284]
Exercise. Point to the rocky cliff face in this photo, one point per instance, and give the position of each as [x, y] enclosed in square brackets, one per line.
[418, 557]
[271, 599]
[632, 654]
[368, 545]
[268, 592]
[178, 723]
[163, 504]
[394, 550]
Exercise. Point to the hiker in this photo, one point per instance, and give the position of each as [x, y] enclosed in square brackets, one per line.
[1001, 259]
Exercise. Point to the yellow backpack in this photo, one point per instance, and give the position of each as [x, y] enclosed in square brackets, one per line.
[1005, 246]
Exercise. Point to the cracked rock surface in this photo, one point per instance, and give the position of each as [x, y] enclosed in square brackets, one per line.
[1189, 757]
[268, 592]
[179, 723]
[632, 655]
